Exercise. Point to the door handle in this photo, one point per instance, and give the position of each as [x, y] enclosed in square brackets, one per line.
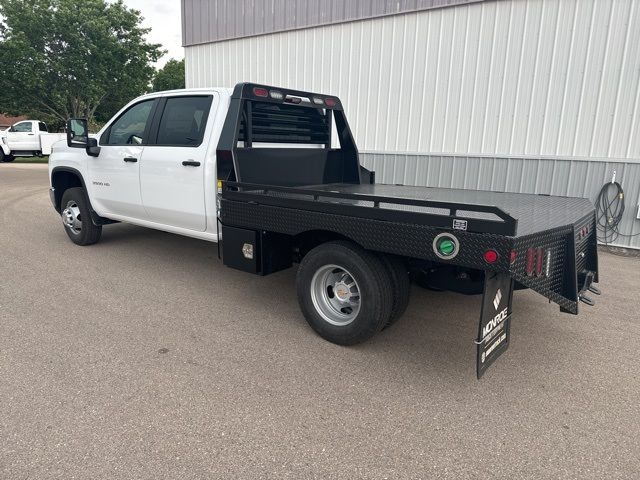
[190, 163]
[130, 159]
[31, 134]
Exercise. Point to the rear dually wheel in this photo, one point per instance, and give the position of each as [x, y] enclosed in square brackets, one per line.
[344, 292]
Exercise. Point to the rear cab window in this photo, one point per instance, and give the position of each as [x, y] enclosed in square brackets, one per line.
[183, 121]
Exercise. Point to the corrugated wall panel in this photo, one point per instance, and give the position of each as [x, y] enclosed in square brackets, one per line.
[545, 79]
[214, 20]
[511, 77]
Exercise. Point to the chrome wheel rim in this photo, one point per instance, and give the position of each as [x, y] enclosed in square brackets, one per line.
[71, 217]
[335, 295]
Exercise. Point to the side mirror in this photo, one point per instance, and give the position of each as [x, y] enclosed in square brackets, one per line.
[78, 136]
[77, 133]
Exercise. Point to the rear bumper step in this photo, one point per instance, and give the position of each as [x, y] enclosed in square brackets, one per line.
[588, 287]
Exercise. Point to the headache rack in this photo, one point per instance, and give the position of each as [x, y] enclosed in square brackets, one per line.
[266, 122]
[441, 214]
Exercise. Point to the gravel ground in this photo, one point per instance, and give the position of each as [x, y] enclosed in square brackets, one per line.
[144, 357]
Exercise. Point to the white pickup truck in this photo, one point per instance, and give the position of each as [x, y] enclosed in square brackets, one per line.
[27, 138]
[276, 173]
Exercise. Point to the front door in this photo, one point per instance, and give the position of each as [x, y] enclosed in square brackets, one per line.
[22, 137]
[115, 173]
[173, 163]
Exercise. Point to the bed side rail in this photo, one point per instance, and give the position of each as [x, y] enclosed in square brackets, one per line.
[320, 200]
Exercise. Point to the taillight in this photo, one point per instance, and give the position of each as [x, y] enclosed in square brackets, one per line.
[318, 101]
[260, 92]
[330, 102]
[584, 231]
[276, 95]
[539, 261]
[536, 259]
[530, 260]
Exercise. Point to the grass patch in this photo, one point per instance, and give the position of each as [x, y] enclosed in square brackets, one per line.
[31, 160]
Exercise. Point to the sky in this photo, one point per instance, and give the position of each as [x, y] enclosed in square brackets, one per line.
[163, 17]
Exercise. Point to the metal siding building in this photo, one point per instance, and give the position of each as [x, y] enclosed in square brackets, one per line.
[537, 96]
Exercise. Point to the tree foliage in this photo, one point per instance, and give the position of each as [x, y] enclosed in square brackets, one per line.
[72, 58]
[170, 77]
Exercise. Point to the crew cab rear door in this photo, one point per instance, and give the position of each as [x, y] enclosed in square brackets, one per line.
[172, 170]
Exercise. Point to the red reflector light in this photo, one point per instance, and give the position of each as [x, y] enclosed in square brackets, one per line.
[491, 256]
[260, 92]
[330, 102]
[512, 256]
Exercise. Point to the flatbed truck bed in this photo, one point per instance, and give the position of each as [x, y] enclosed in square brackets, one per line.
[279, 206]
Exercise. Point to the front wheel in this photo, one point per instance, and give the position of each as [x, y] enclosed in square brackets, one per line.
[344, 292]
[6, 158]
[76, 218]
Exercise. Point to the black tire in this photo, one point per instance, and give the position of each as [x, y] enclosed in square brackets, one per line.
[4, 158]
[372, 283]
[88, 233]
[401, 283]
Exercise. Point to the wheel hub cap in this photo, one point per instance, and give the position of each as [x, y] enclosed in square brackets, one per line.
[71, 217]
[342, 291]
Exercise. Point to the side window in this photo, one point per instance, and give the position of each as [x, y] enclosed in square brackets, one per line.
[129, 128]
[183, 121]
[42, 126]
[22, 127]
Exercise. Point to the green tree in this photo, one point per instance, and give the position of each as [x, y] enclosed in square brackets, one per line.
[169, 77]
[72, 58]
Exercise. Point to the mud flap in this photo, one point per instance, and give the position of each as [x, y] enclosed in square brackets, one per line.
[495, 319]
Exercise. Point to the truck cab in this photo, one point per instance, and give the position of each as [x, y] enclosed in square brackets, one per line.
[155, 158]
